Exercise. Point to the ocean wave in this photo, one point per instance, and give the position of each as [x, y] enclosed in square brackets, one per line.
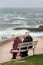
[36, 34]
[16, 18]
[9, 20]
[9, 33]
[40, 14]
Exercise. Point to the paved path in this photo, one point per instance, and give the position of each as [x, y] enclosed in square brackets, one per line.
[6, 56]
[4, 52]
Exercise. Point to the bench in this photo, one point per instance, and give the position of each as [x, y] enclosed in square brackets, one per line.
[27, 45]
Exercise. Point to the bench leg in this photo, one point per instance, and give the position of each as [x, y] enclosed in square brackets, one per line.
[33, 51]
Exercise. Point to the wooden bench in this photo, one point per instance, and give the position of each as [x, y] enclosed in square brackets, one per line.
[27, 45]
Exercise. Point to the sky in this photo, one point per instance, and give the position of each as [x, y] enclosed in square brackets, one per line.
[21, 3]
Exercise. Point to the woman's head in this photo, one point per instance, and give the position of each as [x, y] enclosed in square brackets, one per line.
[17, 40]
[18, 37]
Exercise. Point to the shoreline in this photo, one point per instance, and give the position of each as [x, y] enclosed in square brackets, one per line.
[5, 35]
[7, 40]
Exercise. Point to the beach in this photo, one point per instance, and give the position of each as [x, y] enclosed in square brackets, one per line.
[5, 55]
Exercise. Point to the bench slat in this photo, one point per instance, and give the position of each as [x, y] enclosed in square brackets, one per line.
[19, 51]
[27, 43]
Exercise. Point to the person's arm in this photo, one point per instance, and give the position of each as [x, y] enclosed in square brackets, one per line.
[12, 48]
[24, 40]
[31, 39]
[13, 45]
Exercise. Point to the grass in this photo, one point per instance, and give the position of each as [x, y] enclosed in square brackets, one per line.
[32, 60]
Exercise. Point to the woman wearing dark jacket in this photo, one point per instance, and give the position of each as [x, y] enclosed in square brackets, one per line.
[27, 38]
[17, 41]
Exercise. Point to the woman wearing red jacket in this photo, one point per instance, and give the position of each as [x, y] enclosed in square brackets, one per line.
[17, 41]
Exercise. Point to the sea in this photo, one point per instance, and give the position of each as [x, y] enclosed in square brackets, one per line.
[11, 18]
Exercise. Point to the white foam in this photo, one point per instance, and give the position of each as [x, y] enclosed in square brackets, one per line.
[36, 33]
[9, 33]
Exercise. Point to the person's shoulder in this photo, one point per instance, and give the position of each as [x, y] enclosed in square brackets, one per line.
[30, 36]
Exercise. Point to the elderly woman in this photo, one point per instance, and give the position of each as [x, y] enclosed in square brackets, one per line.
[17, 41]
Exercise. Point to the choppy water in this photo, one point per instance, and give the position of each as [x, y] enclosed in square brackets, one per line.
[13, 17]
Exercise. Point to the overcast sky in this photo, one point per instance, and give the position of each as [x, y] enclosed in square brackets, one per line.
[21, 3]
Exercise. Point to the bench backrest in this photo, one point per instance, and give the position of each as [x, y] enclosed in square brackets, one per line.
[27, 44]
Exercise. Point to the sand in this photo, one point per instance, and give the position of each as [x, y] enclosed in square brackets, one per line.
[5, 55]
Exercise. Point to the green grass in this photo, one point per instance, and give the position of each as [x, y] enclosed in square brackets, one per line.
[32, 60]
